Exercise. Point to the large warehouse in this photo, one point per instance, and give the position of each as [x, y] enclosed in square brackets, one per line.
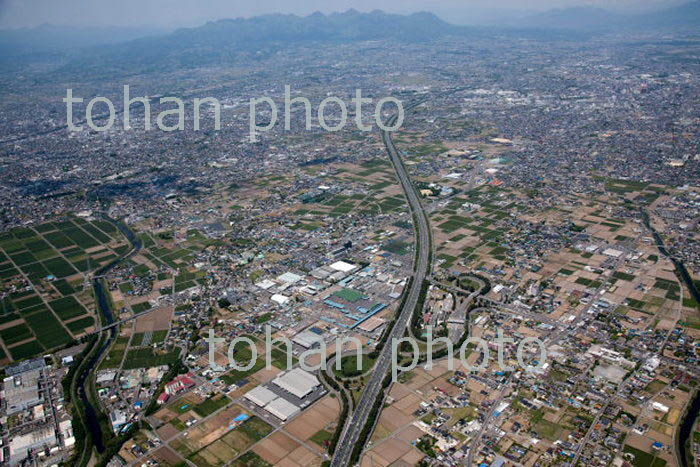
[308, 339]
[297, 382]
[260, 396]
[22, 391]
[275, 405]
[20, 446]
[282, 409]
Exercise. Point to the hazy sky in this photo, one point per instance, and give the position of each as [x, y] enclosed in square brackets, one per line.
[175, 13]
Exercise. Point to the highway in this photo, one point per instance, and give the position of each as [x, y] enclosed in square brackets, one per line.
[359, 417]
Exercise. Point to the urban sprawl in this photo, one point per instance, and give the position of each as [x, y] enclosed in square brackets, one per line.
[558, 181]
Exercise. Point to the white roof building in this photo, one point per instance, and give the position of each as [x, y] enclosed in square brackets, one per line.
[260, 396]
[105, 377]
[289, 278]
[279, 299]
[308, 339]
[613, 252]
[297, 382]
[342, 266]
[282, 409]
[118, 419]
[265, 284]
[321, 273]
[659, 406]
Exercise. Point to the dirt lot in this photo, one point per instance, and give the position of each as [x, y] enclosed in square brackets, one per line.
[275, 447]
[166, 456]
[167, 431]
[211, 430]
[158, 320]
[388, 452]
[314, 419]
[302, 457]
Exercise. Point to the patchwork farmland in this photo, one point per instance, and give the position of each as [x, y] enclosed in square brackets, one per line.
[46, 301]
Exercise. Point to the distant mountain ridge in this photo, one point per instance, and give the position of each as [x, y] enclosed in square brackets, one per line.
[348, 26]
[226, 40]
[577, 18]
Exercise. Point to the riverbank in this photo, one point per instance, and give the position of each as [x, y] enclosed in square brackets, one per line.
[96, 423]
[684, 440]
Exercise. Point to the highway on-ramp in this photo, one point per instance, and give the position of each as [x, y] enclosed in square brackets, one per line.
[353, 428]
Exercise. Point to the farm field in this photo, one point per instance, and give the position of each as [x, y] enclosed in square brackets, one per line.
[48, 303]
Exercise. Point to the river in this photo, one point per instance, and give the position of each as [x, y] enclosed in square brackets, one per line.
[103, 304]
[686, 429]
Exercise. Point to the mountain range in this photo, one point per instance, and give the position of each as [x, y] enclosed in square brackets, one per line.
[591, 18]
[229, 38]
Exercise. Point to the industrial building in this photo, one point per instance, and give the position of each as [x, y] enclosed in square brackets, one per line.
[288, 394]
[282, 409]
[298, 382]
[22, 445]
[21, 392]
[274, 404]
[308, 339]
[343, 267]
[371, 324]
[289, 278]
[279, 299]
[260, 396]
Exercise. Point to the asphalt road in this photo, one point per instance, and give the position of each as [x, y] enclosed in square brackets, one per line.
[359, 417]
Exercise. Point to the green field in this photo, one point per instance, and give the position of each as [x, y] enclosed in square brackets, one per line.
[322, 437]
[236, 375]
[211, 405]
[623, 276]
[147, 358]
[350, 295]
[67, 308]
[250, 459]
[59, 267]
[30, 349]
[548, 430]
[77, 326]
[48, 330]
[16, 334]
[55, 248]
[643, 459]
[63, 287]
[28, 303]
[348, 366]
[655, 386]
[255, 428]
